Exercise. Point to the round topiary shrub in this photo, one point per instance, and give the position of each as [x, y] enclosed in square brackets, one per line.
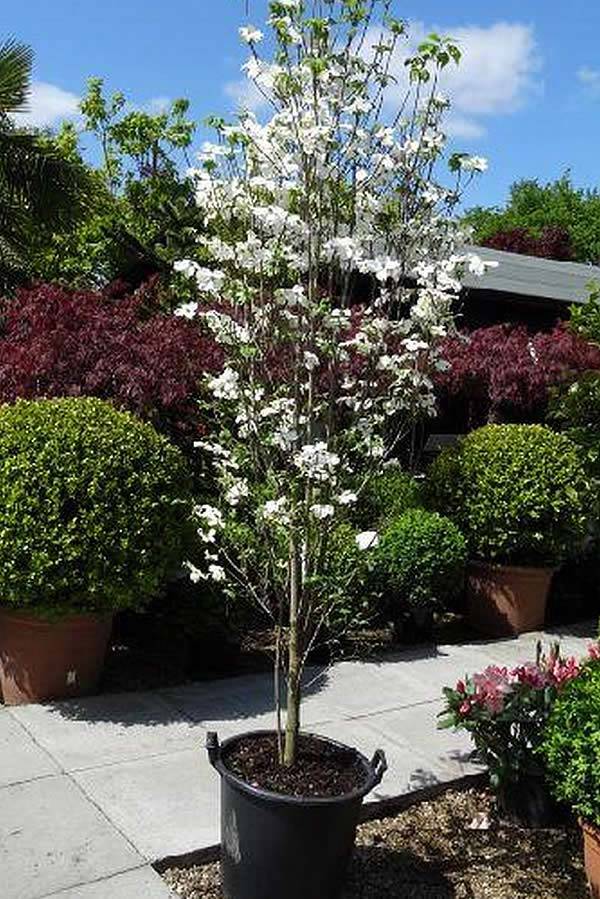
[519, 493]
[571, 744]
[93, 507]
[420, 560]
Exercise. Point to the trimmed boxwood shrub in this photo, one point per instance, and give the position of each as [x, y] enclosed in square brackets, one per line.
[420, 560]
[519, 493]
[94, 506]
[571, 745]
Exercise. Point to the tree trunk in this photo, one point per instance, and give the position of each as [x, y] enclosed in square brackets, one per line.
[292, 725]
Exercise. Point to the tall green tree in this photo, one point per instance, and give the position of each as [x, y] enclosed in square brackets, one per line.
[534, 207]
[40, 188]
[144, 214]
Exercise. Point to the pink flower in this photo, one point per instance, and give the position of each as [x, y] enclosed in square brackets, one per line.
[460, 687]
[593, 651]
[465, 708]
[564, 671]
[492, 686]
[530, 674]
[494, 702]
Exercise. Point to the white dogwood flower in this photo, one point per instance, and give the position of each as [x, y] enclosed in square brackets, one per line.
[250, 35]
[187, 310]
[216, 572]
[226, 385]
[322, 511]
[367, 540]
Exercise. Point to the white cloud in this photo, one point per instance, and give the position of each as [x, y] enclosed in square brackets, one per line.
[157, 105]
[590, 78]
[496, 75]
[47, 105]
[245, 94]
[460, 126]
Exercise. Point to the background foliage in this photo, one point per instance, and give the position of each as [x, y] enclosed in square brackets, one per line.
[42, 190]
[142, 212]
[58, 342]
[504, 373]
[556, 220]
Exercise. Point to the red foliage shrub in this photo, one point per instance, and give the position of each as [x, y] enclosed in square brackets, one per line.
[504, 373]
[56, 342]
[552, 243]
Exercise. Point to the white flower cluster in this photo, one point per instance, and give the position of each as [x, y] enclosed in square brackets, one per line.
[251, 35]
[207, 280]
[315, 461]
[474, 164]
[225, 386]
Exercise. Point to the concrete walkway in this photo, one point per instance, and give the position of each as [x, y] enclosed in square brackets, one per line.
[93, 791]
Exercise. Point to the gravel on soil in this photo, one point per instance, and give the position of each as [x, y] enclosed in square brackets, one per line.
[450, 847]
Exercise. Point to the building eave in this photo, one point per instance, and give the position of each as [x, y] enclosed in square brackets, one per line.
[529, 276]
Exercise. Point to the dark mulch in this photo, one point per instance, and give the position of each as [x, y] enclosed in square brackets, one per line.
[429, 851]
[321, 769]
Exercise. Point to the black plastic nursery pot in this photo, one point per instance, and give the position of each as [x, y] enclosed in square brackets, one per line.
[413, 625]
[286, 847]
[530, 803]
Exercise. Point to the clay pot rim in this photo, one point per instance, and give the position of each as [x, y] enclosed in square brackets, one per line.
[70, 619]
[588, 827]
[500, 566]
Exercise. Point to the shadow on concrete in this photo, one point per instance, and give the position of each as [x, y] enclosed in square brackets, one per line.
[582, 629]
[236, 699]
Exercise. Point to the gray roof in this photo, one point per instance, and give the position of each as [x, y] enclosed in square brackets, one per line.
[529, 276]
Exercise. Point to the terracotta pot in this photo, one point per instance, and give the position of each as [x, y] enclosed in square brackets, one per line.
[42, 659]
[504, 600]
[591, 851]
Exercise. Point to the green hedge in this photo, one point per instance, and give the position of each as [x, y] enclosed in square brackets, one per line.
[94, 506]
[386, 496]
[571, 745]
[519, 493]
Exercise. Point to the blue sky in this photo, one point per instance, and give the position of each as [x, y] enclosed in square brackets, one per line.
[527, 95]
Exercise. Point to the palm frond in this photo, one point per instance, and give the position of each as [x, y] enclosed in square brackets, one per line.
[16, 60]
[50, 187]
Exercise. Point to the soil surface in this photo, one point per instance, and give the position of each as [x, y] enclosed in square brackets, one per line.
[452, 847]
[322, 769]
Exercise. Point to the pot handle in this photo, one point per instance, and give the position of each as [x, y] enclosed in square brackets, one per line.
[213, 747]
[379, 765]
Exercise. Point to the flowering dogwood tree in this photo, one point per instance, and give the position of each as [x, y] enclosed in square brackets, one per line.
[315, 394]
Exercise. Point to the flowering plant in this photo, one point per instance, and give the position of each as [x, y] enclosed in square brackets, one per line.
[570, 746]
[314, 397]
[505, 711]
